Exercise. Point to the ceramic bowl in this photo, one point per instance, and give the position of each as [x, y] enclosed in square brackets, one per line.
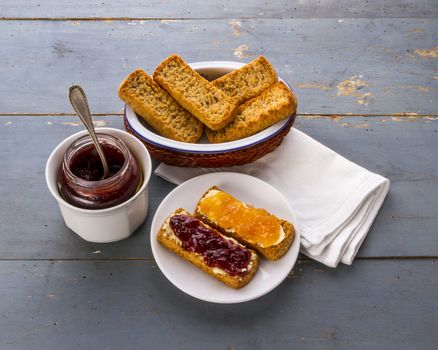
[103, 225]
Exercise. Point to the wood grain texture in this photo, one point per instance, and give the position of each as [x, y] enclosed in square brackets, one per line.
[358, 66]
[402, 149]
[113, 296]
[217, 9]
[130, 305]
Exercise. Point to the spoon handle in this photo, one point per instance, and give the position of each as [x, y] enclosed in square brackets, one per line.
[79, 101]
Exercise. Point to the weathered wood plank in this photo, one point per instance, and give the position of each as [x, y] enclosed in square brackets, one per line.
[403, 149]
[217, 9]
[130, 305]
[358, 66]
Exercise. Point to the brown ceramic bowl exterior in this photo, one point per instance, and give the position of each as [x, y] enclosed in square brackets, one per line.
[215, 159]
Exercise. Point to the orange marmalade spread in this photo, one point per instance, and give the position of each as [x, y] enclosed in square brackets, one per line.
[252, 224]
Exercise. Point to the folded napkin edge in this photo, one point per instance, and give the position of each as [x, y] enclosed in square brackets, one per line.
[355, 199]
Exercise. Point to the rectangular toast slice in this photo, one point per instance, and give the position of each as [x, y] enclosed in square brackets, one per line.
[179, 234]
[249, 81]
[158, 108]
[256, 228]
[274, 104]
[200, 97]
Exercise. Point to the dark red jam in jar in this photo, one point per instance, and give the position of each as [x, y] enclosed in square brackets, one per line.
[80, 180]
[214, 248]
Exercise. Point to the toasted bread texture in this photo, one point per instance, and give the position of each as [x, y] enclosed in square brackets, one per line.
[169, 240]
[205, 101]
[271, 252]
[158, 108]
[274, 104]
[249, 81]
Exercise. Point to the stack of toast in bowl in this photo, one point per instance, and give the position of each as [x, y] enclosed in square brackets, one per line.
[208, 114]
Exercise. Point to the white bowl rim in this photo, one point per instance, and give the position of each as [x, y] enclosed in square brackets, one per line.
[54, 190]
[209, 148]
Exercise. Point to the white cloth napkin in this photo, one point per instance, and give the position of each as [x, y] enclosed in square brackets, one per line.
[334, 199]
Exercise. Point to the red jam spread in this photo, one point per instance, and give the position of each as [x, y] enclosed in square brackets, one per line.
[215, 249]
[80, 180]
[87, 164]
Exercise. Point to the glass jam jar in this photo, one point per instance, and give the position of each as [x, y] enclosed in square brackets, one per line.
[80, 180]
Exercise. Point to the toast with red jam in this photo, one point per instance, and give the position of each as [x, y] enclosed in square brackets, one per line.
[218, 255]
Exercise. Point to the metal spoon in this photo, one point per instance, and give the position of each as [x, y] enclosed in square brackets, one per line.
[80, 104]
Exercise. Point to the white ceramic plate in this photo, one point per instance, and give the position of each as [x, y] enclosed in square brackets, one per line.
[210, 70]
[197, 283]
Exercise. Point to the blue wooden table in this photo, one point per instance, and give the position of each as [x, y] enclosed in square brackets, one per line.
[366, 77]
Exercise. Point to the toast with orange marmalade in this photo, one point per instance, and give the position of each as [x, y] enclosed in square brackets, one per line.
[253, 227]
[221, 257]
